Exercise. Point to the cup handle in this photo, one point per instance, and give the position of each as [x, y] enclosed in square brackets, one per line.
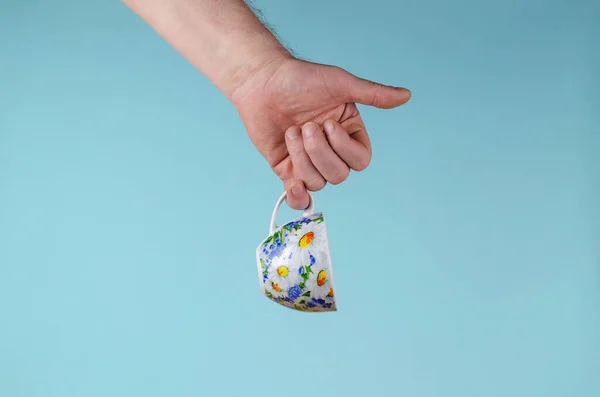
[307, 212]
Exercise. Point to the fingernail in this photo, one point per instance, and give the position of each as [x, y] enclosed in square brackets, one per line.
[293, 133]
[329, 127]
[309, 130]
[296, 190]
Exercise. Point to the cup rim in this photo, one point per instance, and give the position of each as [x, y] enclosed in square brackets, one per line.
[314, 214]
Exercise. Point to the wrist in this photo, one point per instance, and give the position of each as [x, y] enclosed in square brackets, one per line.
[251, 74]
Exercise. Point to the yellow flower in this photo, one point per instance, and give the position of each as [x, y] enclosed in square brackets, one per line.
[309, 239]
[281, 276]
[320, 281]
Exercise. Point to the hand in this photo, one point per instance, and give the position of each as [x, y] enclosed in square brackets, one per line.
[302, 118]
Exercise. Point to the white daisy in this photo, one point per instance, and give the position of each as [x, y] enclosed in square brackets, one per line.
[273, 289]
[282, 275]
[320, 281]
[310, 239]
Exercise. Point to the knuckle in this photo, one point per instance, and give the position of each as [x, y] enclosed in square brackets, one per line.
[316, 184]
[313, 150]
[340, 177]
[295, 149]
[376, 93]
[363, 163]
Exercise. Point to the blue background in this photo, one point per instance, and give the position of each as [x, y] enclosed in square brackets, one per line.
[131, 201]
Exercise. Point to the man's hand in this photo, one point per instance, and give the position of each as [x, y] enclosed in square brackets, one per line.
[301, 116]
[303, 119]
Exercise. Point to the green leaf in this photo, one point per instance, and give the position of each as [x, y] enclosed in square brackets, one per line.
[302, 302]
[301, 285]
[308, 270]
[307, 294]
[263, 265]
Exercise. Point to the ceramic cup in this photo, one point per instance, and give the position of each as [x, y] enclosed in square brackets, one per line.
[294, 262]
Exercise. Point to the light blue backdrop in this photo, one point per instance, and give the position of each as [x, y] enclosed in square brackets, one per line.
[466, 256]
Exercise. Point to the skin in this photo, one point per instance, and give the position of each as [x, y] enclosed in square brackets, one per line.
[301, 116]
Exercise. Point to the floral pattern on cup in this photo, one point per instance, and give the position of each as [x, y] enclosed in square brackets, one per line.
[295, 265]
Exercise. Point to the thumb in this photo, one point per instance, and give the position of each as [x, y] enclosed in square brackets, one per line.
[356, 89]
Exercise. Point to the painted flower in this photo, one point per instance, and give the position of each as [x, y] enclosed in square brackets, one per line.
[273, 249]
[319, 282]
[310, 239]
[294, 292]
[274, 290]
[297, 224]
[282, 276]
[311, 304]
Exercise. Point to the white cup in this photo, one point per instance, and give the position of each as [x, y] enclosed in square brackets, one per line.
[294, 262]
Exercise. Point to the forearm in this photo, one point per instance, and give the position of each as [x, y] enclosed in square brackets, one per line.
[221, 38]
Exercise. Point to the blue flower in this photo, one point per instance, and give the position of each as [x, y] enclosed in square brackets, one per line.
[294, 292]
[312, 259]
[310, 305]
[295, 224]
[276, 252]
[319, 301]
[327, 305]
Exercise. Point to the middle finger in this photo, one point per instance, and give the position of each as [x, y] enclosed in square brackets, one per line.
[329, 164]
